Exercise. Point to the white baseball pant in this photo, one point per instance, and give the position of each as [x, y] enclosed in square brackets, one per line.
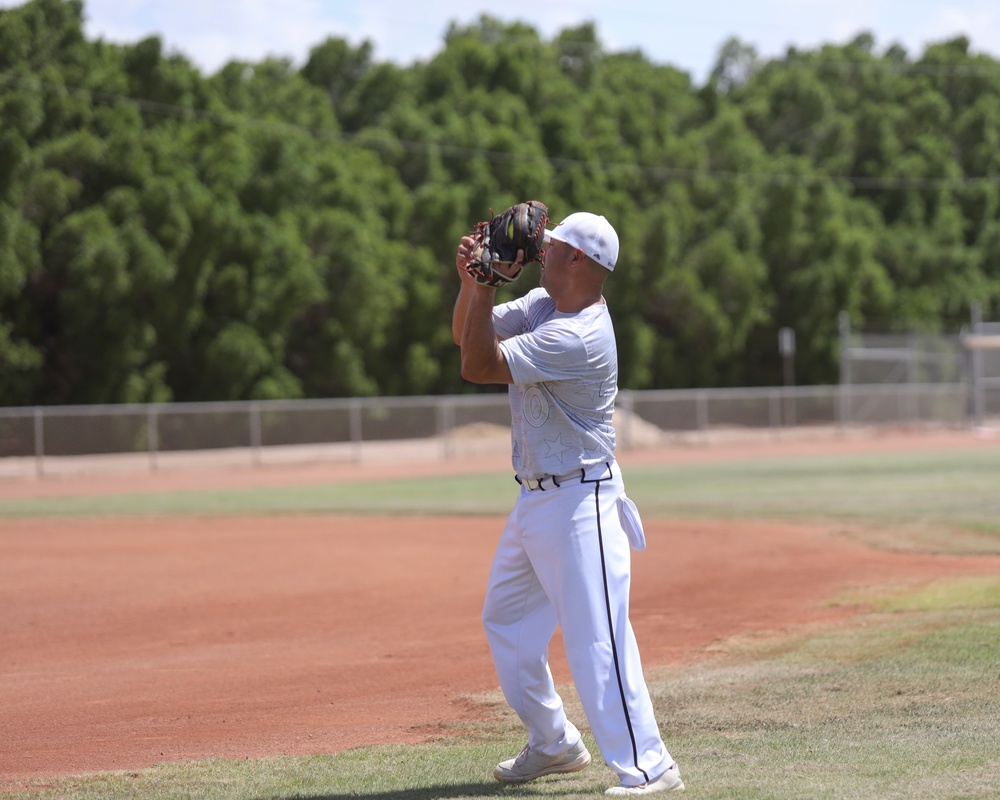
[564, 559]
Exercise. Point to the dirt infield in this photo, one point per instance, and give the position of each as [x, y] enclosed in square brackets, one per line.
[129, 642]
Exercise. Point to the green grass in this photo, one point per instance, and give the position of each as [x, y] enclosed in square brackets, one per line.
[955, 487]
[946, 594]
[469, 494]
[945, 500]
[905, 705]
[901, 703]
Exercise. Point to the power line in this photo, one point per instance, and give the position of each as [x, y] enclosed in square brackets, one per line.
[906, 68]
[658, 171]
[877, 63]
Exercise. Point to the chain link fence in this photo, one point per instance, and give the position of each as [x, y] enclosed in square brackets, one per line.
[868, 357]
[972, 357]
[58, 439]
[982, 343]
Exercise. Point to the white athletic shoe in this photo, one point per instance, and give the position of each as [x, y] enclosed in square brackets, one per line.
[669, 781]
[530, 765]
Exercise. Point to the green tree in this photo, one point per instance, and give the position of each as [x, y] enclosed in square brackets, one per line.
[268, 231]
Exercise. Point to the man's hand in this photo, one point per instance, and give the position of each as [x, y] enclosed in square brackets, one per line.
[500, 246]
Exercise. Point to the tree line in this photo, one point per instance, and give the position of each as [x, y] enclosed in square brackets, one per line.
[272, 231]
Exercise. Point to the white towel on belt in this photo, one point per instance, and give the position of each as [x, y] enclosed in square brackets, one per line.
[631, 522]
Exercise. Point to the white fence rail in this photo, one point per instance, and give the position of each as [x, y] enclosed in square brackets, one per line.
[45, 439]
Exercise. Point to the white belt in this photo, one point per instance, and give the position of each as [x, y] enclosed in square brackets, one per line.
[591, 474]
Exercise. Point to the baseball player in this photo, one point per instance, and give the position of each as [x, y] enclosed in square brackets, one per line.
[563, 558]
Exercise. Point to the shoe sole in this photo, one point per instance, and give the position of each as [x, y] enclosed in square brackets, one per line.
[578, 763]
[620, 791]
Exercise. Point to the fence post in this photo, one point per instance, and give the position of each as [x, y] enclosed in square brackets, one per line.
[844, 394]
[445, 420]
[627, 401]
[701, 414]
[255, 432]
[978, 393]
[774, 408]
[152, 436]
[356, 432]
[39, 442]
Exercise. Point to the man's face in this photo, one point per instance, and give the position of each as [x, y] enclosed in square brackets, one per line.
[555, 263]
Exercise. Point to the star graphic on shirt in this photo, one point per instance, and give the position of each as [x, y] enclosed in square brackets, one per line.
[604, 390]
[556, 447]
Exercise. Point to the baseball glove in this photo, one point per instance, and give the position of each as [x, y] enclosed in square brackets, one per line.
[498, 239]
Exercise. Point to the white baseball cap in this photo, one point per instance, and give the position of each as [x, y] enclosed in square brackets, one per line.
[590, 233]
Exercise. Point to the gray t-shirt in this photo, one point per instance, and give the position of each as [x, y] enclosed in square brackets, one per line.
[565, 370]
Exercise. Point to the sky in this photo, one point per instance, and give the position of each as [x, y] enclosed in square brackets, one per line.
[683, 33]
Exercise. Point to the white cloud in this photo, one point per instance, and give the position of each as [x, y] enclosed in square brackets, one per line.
[980, 23]
[213, 32]
[687, 35]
